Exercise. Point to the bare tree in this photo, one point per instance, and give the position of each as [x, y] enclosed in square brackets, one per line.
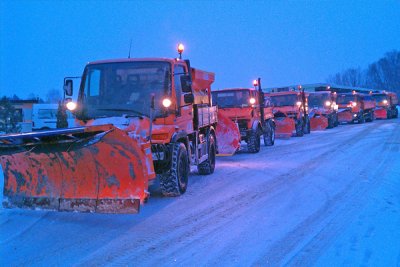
[383, 74]
[53, 96]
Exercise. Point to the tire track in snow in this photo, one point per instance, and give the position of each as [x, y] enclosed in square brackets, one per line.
[140, 250]
[324, 225]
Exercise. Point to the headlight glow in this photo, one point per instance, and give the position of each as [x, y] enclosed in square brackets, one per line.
[298, 103]
[385, 102]
[166, 102]
[328, 103]
[252, 100]
[71, 105]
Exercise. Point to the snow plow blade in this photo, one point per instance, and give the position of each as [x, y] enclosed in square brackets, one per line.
[345, 116]
[285, 127]
[228, 136]
[86, 169]
[318, 123]
[380, 113]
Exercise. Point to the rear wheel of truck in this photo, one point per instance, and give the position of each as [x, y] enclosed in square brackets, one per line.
[361, 118]
[331, 124]
[174, 182]
[307, 128]
[254, 143]
[208, 166]
[299, 128]
[269, 134]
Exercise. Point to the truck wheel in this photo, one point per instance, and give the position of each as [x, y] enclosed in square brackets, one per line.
[361, 118]
[336, 121]
[254, 141]
[208, 166]
[307, 128]
[269, 134]
[330, 122]
[396, 114]
[299, 128]
[174, 182]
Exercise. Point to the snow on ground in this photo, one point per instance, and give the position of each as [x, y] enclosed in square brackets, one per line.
[331, 198]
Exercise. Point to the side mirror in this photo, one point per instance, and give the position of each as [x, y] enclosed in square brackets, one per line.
[186, 83]
[68, 87]
[188, 98]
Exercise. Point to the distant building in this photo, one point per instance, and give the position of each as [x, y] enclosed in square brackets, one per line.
[24, 110]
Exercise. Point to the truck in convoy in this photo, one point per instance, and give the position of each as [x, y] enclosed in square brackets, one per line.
[245, 107]
[290, 109]
[355, 107]
[139, 119]
[322, 110]
[386, 105]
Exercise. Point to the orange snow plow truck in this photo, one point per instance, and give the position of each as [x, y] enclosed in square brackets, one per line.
[355, 107]
[323, 110]
[245, 107]
[139, 119]
[290, 111]
[386, 103]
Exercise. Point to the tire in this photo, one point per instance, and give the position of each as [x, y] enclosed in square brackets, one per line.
[396, 114]
[254, 143]
[330, 122]
[299, 128]
[307, 127]
[389, 114]
[269, 134]
[174, 182]
[361, 118]
[208, 166]
[336, 120]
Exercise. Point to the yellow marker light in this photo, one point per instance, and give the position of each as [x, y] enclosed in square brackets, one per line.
[255, 82]
[71, 105]
[252, 100]
[166, 102]
[328, 103]
[180, 48]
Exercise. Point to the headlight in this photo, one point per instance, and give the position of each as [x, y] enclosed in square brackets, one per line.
[298, 103]
[385, 102]
[71, 105]
[353, 104]
[166, 102]
[252, 100]
[328, 103]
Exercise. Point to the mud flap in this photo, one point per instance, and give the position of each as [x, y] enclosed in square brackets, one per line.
[318, 123]
[105, 172]
[285, 127]
[228, 136]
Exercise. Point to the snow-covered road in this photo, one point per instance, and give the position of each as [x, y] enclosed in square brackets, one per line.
[330, 198]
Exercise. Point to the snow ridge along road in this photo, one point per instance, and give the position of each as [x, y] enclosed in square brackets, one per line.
[317, 199]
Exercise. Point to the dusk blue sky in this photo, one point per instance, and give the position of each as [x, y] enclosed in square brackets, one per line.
[283, 42]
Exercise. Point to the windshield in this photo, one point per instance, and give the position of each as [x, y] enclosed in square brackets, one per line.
[234, 98]
[318, 100]
[115, 89]
[345, 99]
[283, 100]
[379, 98]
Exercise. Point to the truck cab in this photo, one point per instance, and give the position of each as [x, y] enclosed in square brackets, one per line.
[386, 105]
[290, 109]
[162, 101]
[242, 105]
[323, 109]
[354, 107]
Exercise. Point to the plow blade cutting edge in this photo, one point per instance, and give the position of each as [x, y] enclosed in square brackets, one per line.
[228, 136]
[318, 123]
[86, 169]
[285, 127]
